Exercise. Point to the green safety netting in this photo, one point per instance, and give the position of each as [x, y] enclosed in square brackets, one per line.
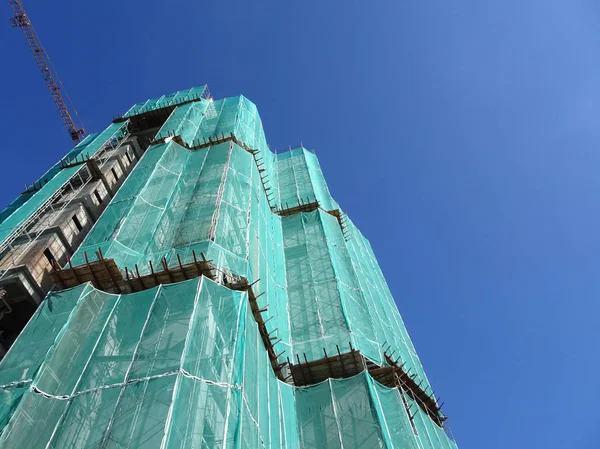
[193, 94]
[322, 291]
[301, 180]
[21, 209]
[180, 366]
[24, 197]
[325, 291]
[318, 275]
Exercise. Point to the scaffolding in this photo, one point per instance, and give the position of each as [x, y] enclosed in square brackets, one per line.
[223, 299]
[73, 177]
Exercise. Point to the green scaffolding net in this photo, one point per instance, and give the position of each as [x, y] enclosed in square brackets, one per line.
[180, 366]
[29, 202]
[183, 365]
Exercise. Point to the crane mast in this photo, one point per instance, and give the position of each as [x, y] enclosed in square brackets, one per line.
[21, 20]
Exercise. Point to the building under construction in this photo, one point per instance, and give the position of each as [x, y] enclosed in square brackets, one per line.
[200, 291]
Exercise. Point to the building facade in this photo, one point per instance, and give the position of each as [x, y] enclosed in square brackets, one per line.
[221, 299]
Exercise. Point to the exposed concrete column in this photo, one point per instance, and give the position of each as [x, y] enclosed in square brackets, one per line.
[97, 174]
[137, 149]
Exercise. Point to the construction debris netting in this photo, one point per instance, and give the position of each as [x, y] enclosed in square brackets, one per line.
[183, 365]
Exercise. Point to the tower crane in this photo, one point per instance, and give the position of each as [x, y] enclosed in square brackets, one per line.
[21, 20]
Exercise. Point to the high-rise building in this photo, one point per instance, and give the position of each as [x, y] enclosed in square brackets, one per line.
[207, 293]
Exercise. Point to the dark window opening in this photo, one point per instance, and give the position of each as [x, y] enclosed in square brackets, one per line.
[77, 222]
[127, 156]
[114, 173]
[49, 256]
[98, 197]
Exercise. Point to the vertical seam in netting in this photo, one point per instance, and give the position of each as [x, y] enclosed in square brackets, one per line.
[253, 129]
[167, 428]
[313, 283]
[372, 308]
[426, 429]
[373, 392]
[237, 113]
[186, 118]
[202, 115]
[282, 435]
[218, 124]
[360, 292]
[436, 433]
[108, 429]
[412, 425]
[275, 172]
[59, 336]
[215, 217]
[420, 436]
[328, 245]
[276, 176]
[166, 122]
[117, 301]
[193, 194]
[137, 197]
[249, 213]
[379, 304]
[67, 407]
[285, 288]
[257, 418]
[311, 179]
[169, 201]
[63, 329]
[242, 304]
[293, 170]
[243, 392]
[236, 120]
[337, 421]
[245, 403]
[287, 302]
[41, 311]
[268, 384]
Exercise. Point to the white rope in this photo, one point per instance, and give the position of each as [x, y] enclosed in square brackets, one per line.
[191, 321]
[253, 420]
[166, 169]
[373, 391]
[243, 378]
[337, 421]
[282, 429]
[15, 383]
[64, 413]
[84, 292]
[135, 351]
[249, 215]
[215, 217]
[241, 306]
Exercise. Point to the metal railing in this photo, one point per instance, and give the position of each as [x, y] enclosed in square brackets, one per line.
[104, 153]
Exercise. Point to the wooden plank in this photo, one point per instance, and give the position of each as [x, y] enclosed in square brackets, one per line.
[181, 267]
[153, 274]
[196, 264]
[131, 287]
[113, 280]
[95, 281]
[73, 271]
[55, 275]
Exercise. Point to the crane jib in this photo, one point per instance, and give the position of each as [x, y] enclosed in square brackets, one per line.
[21, 20]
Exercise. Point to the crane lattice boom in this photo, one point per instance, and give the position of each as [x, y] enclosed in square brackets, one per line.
[21, 20]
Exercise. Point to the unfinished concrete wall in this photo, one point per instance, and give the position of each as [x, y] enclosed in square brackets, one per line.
[61, 224]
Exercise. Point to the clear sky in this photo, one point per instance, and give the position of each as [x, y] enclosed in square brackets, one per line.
[461, 137]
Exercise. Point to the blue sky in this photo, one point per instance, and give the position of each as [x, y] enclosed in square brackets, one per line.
[461, 137]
